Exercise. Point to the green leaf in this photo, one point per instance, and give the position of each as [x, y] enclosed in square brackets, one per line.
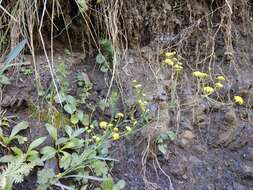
[36, 143]
[74, 119]
[19, 127]
[100, 168]
[52, 131]
[107, 46]
[4, 80]
[21, 139]
[7, 158]
[162, 148]
[73, 143]
[119, 185]
[71, 100]
[17, 150]
[172, 135]
[100, 59]
[70, 108]
[78, 132]
[48, 152]
[85, 120]
[104, 68]
[14, 53]
[45, 177]
[61, 140]
[107, 184]
[68, 130]
[65, 161]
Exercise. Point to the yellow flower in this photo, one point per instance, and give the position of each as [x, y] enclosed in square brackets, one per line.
[89, 131]
[119, 115]
[169, 62]
[220, 78]
[218, 85]
[115, 129]
[239, 100]
[208, 90]
[103, 124]
[129, 129]
[170, 54]
[178, 67]
[115, 136]
[199, 74]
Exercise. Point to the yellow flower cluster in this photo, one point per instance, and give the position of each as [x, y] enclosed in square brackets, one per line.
[208, 90]
[199, 74]
[239, 100]
[172, 61]
[103, 124]
[115, 136]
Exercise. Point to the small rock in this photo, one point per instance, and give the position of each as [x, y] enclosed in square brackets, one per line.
[186, 139]
[230, 116]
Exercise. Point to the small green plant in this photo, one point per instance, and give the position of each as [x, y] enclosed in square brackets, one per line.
[105, 57]
[6, 140]
[4, 80]
[162, 140]
[27, 71]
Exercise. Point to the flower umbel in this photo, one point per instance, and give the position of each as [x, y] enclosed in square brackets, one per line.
[238, 100]
[169, 62]
[218, 85]
[208, 90]
[199, 74]
[220, 78]
[115, 136]
[103, 124]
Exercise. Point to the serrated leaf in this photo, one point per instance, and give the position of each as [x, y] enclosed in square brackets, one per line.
[162, 148]
[19, 127]
[172, 135]
[104, 68]
[52, 131]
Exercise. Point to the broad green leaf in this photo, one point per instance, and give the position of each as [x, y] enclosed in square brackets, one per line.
[15, 52]
[36, 143]
[119, 185]
[68, 130]
[52, 131]
[73, 143]
[86, 120]
[19, 127]
[21, 139]
[107, 46]
[69, 108]
[61, 140]
[74, 119]
[162, 148]
[107, 184]
[104, 68]
[45, 176]
[65, 160]
[4, 80]
[48, 152]
[100, 167]
[100, 59]
[71, 100]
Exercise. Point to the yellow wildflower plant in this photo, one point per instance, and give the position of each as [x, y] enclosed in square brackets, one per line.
[238, 100]
[169, 62]
[119, 115]
[178, 67]
[170, 54]
[220, 78]
[207, 90]
[103, 124]
[218, 85]
[115, 136]
[199, 74]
